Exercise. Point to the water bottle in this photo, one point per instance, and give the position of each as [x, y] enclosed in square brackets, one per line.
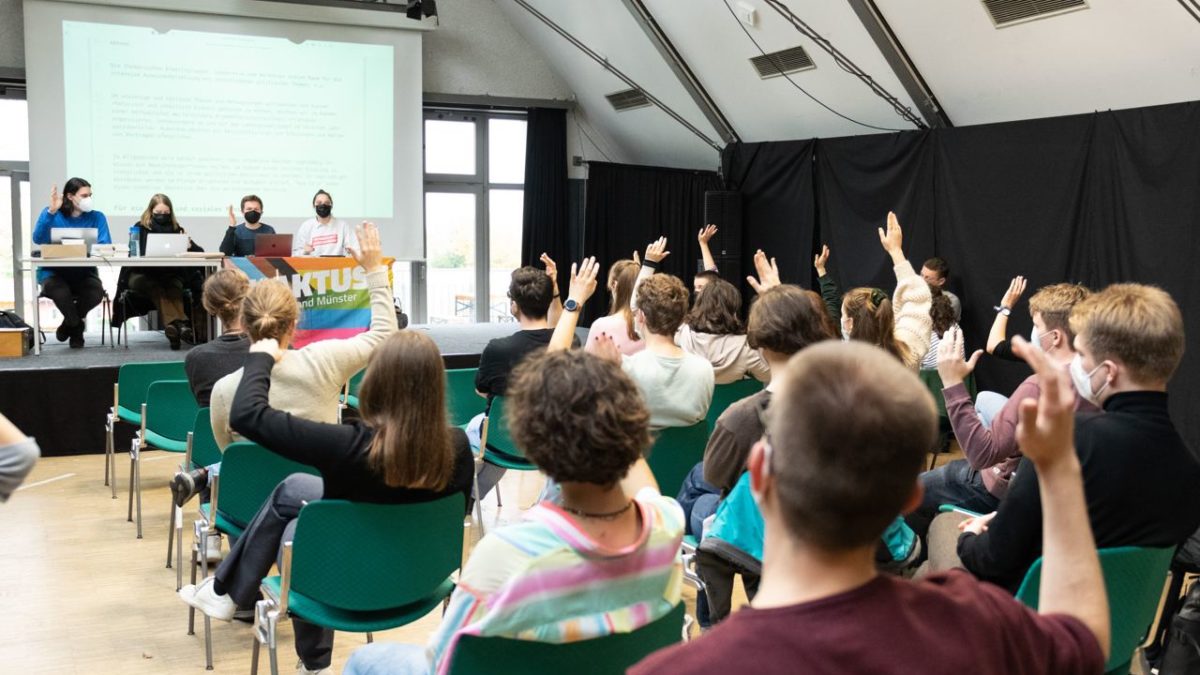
[133, 242]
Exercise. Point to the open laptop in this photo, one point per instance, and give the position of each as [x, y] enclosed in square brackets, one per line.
[273, 245]
[160, 245]
[87, 234]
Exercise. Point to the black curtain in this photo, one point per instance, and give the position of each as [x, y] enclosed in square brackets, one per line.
[628, 206]
[545, 226]
[1097, 199]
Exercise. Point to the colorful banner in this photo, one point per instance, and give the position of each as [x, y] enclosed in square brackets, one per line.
[332, 292]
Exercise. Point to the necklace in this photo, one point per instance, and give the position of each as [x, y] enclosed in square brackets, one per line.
[611, 515]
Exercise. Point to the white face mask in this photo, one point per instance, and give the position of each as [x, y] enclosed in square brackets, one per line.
[1035, 339]
[84, 204]
[845, 331]
[1083, 380]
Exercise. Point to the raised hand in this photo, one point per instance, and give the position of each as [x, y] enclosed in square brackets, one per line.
[583, 279]
[55, 200]
[369, 253]
[706, 233]
[768, 273]
[820, 260]
[1046, 429]
[657, 250]
[892, 240]
[551, 268]
[232, 217]
[267, 346]
[950, 364]
[1015, 288]
[605, 348]
[636, 258]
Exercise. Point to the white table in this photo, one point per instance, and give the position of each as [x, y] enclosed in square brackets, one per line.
[32, 265]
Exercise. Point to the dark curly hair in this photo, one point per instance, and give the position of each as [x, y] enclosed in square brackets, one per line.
[785, 320]
[716, 309]
[578, 417]
[663, 300]
[531, 289]
[941, 311]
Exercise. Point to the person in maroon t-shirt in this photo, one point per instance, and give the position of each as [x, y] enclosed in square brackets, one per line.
[846, 436]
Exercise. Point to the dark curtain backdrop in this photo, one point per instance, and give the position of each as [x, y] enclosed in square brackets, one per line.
[545, 227]
[1098, 199]
[628, 206]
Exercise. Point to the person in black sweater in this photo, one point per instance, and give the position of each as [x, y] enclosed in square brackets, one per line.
[1139, 476]
[163, 286]
[401, 451]
[239, 238]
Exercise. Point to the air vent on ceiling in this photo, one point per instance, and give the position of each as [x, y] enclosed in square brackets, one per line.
[628, 99]
[1009, 12]
[782, 62]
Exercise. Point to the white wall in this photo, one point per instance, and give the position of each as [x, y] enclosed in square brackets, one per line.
[12, 35]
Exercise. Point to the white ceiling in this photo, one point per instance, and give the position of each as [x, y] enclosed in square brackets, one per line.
[1114, 54]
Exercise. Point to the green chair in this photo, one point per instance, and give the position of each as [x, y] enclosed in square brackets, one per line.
[362, 567]
[1133, 578]
[129, 393]
[674, 453]
[350, 393]
[933, 382]
[167, 418]
[498, 446]
[474, 655]
[249, 473]
[725, 395]
[462, 403]
[202, 450]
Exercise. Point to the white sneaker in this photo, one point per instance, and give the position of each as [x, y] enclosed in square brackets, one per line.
[205, 599]
[301, 670]
[214, 547]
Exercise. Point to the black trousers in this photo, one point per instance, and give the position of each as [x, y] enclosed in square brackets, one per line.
[718, 573]
[75, 292]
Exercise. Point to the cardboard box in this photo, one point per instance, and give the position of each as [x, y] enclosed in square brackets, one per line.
[12, 343]
[64, 251]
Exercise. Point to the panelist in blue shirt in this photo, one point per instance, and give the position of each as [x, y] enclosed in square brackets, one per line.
[239, 238]
[74, 290]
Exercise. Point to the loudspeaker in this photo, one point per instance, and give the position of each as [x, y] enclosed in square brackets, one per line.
[723, 208]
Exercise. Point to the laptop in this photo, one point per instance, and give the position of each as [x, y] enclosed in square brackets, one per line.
[273, 245]
[87, 234]
[160, 245]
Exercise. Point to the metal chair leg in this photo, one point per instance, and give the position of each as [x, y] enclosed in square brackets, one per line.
[132, 462]
[138, 476]
[192, 610]
[171, 533]
[108, 446]
[179, 550]
[254, 657]
[208, 664]
[370, 637]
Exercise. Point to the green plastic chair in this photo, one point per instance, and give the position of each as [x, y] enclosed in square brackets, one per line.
[474, 655]
[129, 393]
[249, 473]
[202, 451]
[674, 453]
[399, 557]
[167, 418]
[725, 395]
[1133, 578]
[350, 395]
[499, 448]
[933, 382]
[462, 403]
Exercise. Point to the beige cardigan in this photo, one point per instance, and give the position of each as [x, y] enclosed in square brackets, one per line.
[910, 306]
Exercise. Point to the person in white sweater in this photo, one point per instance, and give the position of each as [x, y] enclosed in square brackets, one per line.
[713, 330]
[307, 381]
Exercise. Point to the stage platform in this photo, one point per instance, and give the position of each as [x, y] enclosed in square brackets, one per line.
[62, 396]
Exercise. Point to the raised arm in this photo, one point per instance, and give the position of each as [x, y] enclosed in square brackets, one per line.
[983, 447]
[999, 331]
[18, 454]
[656, 251]
[583, 284]
[706, 233]
[911, 300]
[767, 270]
[829, 288]
[556, 306]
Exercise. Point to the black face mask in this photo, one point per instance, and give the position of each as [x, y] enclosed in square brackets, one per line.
[161, 219]
[323, 210]
[252, 216]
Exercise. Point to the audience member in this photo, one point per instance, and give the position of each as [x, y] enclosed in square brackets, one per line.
[163, 286]
[713, 330]
[324, 235]
[609, 550]
[18, 454]
[239, 238]
[309, 381]
[619, 325]
[401, 451]
[710, 273]
[987, 429]
[941, 313]
[1140, 477]
[74, 290]
[936, 272]
[997, 342]
[847, 433]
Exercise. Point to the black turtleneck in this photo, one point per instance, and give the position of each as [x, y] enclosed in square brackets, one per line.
[1141, 481]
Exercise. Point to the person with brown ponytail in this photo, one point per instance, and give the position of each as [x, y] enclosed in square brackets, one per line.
[308, 381]
[401, 451]
[618, 325]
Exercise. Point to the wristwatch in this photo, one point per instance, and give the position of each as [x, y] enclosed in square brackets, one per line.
[570, 305]
[1003, 310]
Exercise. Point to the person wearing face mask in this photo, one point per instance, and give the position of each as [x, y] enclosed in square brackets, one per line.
[324, 234]
[74, 290]
[1139, 476]
[162, 286]
[239, 238]
[987, 429]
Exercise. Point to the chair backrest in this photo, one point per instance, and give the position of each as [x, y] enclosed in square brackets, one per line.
[1134, 579]
[675, 452]
[205, 450]
[498, 438]
[133, 381]
[474, 655]
[249, 472]
[170, 409]
[725, 395]
[356, 382]
[462, 403]
[367, 557]
[933, 382]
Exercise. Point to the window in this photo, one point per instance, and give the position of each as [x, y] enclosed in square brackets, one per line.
[14, 200]
[474, 204]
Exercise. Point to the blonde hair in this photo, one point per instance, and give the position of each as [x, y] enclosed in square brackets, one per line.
[270, 311]
[874, 323]
[621, 278]
[1055, 302]
[1138, 325]
[224, 293]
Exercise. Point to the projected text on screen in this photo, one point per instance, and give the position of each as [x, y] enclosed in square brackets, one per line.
[208, 117]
